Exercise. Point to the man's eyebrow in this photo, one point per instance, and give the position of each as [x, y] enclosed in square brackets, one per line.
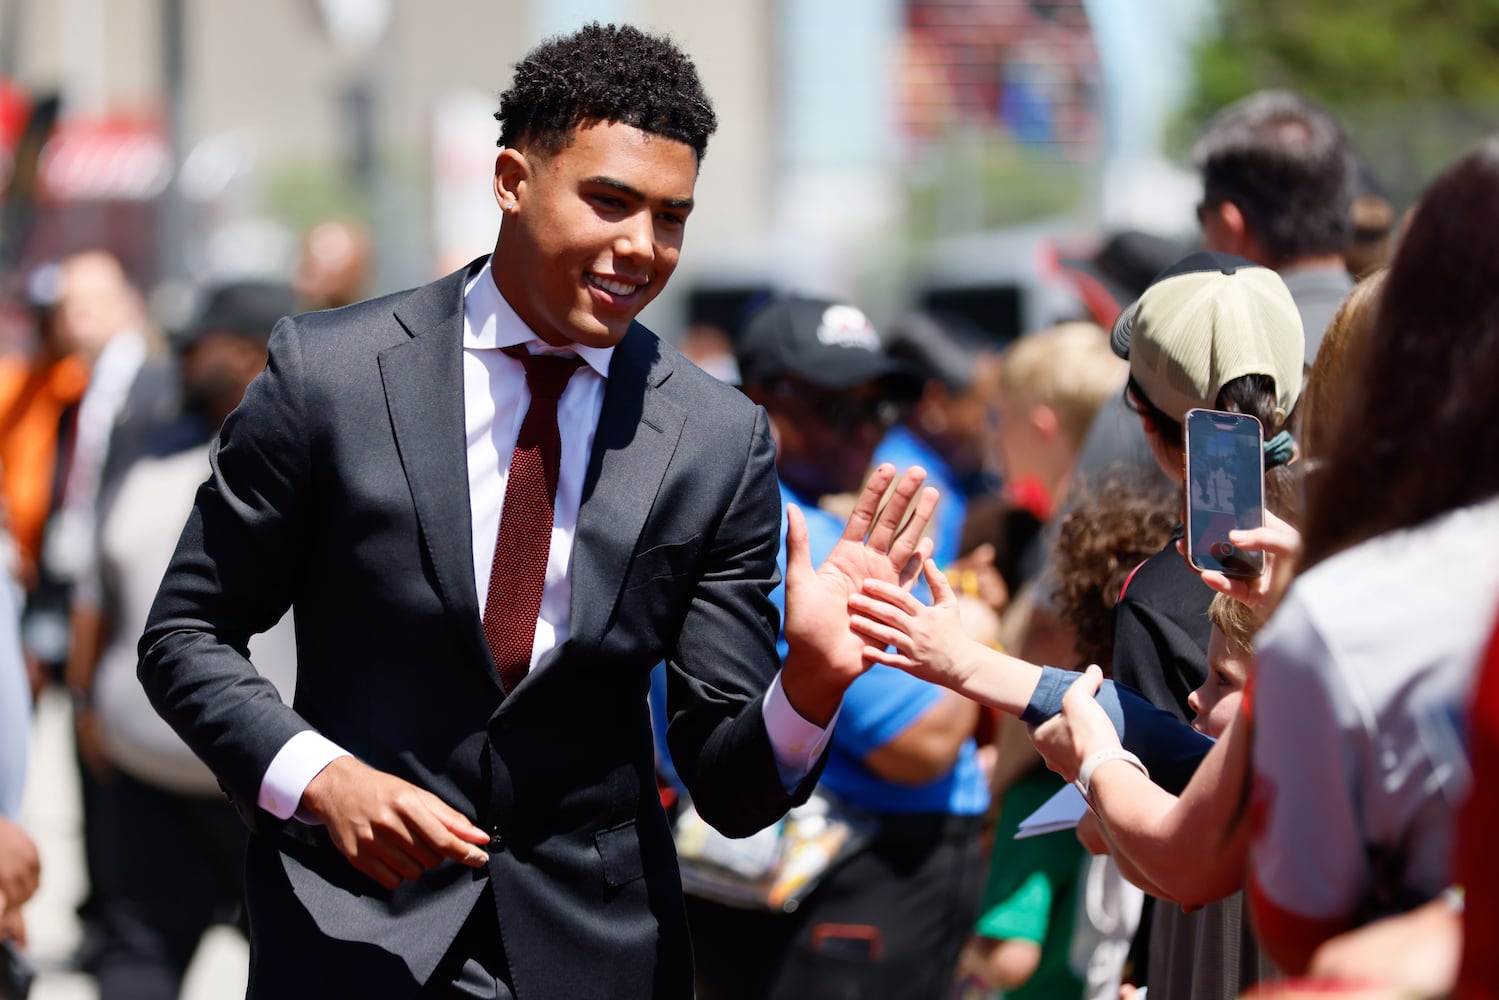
[682, 204]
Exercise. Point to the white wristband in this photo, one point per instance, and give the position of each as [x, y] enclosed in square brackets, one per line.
[1085, 772]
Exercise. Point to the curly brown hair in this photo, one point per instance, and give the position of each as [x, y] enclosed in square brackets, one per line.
[1120, 521]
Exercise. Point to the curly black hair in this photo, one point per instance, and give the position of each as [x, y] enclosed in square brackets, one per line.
[605, 73]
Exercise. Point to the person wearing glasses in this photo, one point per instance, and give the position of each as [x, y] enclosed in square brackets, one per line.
[889, 920]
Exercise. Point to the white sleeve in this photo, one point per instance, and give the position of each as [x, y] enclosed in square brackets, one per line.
[1309, 851]
[15, 702]
[292, 769]
[796, 742]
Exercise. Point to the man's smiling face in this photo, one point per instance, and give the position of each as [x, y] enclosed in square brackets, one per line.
[591, 232]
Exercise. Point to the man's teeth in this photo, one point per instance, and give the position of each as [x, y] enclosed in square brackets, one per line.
[611, 286]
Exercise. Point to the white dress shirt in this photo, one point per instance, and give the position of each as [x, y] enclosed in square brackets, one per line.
[70, 536]
[495, 400]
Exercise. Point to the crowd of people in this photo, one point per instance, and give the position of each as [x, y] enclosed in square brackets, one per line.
[538, 661]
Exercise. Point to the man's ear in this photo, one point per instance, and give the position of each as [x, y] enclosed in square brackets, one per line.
[512, 171]
[1045, 421]
[1225, 229]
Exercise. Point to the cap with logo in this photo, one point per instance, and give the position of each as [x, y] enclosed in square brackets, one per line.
[1204, 321]
[828, 344]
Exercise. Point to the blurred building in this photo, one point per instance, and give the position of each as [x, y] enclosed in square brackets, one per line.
[198, 138]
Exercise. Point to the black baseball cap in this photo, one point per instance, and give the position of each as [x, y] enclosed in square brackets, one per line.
[828, 344]
[1125, 265]
[243, 308]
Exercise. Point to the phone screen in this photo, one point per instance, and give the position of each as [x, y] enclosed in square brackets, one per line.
[1225, 475]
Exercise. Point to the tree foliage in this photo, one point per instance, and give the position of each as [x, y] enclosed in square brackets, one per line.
[1416, 81]
[1341, 53]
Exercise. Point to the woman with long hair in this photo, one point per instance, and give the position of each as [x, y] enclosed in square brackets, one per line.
[1365, 671]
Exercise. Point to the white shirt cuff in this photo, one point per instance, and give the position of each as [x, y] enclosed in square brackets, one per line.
[796, 742]
[292, 769]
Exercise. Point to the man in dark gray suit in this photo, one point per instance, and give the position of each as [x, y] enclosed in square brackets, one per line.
[460, 801]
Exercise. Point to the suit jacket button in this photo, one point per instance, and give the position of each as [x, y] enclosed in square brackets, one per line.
[496, 842]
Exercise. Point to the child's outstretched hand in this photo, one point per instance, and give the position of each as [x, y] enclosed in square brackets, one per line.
[928, 640]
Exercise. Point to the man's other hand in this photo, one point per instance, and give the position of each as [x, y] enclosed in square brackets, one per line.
[20, 866]
[388, 828]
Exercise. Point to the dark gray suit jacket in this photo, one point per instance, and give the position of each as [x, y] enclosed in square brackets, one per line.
[340, 488]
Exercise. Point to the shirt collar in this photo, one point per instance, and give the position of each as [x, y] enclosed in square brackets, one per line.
[490, 323]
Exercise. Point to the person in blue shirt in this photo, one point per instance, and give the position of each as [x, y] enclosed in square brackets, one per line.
[888, 921]
[946, 430]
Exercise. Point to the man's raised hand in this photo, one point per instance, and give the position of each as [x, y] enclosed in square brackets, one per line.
[879, 542]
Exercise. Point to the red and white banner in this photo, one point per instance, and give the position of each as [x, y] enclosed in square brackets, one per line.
[118, 158]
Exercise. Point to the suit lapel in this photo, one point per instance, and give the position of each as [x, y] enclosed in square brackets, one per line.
[423, 380]
[637, 435]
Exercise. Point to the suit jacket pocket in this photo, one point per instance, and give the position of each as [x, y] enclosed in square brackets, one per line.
[619, 848]
[672, 560]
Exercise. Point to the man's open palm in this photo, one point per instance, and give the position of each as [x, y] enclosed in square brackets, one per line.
[880, 542]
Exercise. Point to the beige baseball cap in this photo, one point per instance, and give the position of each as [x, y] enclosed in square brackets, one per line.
[1204, 321]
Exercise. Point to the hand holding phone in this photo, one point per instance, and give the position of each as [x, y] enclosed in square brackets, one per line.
[1280, 543]
[1225, 484]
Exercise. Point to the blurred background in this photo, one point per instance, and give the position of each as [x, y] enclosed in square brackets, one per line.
[891, 151]
[959, 157]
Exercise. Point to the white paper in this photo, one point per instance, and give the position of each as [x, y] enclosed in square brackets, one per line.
[1060, 812]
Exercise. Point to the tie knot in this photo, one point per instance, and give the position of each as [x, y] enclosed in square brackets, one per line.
[546, 374]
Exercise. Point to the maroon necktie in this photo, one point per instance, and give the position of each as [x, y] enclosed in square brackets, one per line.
[525, 537]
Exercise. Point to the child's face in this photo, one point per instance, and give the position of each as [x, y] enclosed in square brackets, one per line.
[1217, 701]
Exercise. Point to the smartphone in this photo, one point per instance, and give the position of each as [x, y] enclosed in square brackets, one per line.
[1225, 482]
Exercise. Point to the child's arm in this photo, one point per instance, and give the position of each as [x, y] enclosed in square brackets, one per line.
[929, 642]
[1193, 848]
[1096, 838]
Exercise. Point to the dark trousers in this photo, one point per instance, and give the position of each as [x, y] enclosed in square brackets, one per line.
[887, 924]
[177, 865]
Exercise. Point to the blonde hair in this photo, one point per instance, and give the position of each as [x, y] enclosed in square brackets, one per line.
[1069, 368]
[1236, 620]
